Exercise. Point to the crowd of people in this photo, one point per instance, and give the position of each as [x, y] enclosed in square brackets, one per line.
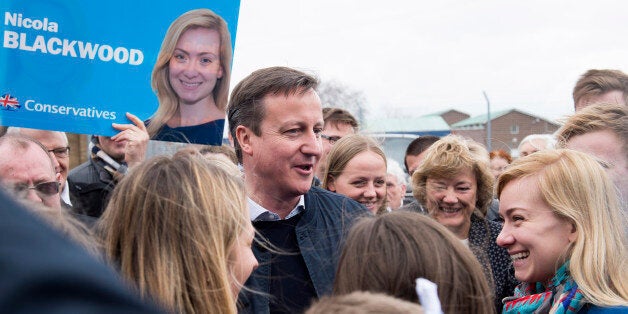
[307, 214]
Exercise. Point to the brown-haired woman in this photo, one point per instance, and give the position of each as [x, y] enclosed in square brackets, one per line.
[388, 253]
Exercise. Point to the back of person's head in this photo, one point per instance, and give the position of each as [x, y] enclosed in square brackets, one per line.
[598, 117]
[388, 253]
[220, 151]
[246, 107]
[170, 226]
[597, 82]
[500, 153]
[538, 142]
[363, 302]
[335, 116]
[449, 156]
[419, 145]
[578, 189]
[344, 150]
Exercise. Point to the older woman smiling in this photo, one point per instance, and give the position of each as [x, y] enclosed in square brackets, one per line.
[456, 187]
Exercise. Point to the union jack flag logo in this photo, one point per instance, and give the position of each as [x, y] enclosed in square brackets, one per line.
[9, 102]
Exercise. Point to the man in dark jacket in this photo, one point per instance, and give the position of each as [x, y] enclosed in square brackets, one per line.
[275, 119]
[91, 182]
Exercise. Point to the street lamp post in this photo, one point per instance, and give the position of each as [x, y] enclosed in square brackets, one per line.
[488, 122]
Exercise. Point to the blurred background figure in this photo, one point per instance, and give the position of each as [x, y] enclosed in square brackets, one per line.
[534, 143]
[565, 233]
[396, 184]
[601, 130]
[91, 182]
[601, 86]
[356, 167]
[500, 159]
[415, 153]
[387, 253]
[338, 123]
[183, 244]
[456, 185]
[362, 302]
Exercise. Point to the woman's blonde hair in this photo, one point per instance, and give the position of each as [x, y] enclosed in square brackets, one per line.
[344, 150]
[170, 226]
[447, 157]
[578, 189]
[387, 253]
[168, 99]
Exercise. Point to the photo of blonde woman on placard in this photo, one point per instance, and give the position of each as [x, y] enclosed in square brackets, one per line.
[191, 80]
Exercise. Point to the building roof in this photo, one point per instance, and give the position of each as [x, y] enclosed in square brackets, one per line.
[442, 112]
[407, 125]
[482, 119]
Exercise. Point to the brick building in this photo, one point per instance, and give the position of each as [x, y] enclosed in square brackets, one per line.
[508, 128]
[450, 116]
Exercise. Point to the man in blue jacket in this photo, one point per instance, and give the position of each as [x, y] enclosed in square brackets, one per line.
[275, 119]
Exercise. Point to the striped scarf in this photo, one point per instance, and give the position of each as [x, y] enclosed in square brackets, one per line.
[561, 296]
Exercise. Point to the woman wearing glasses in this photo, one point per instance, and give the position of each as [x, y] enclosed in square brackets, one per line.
[455, 183]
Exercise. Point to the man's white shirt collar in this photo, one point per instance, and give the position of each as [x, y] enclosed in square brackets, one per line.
[256, 210]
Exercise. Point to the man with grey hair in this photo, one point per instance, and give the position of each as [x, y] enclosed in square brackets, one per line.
[56, 143]
[27, 170]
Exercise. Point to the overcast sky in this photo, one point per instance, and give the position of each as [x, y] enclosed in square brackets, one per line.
[415, 57]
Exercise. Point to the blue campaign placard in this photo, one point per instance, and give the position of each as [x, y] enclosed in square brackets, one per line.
[79, 66]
